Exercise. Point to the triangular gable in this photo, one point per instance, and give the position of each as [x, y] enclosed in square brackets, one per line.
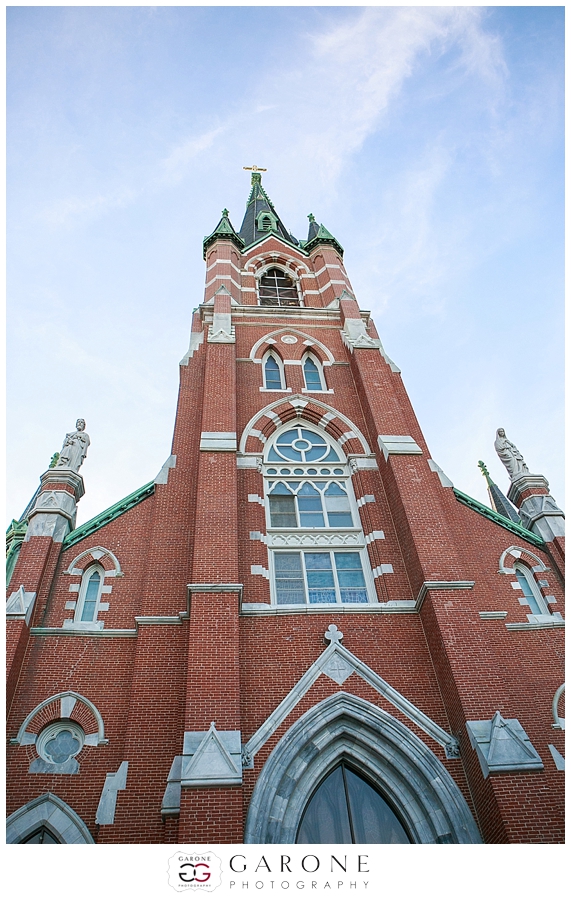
[338, 663]
[211, 758]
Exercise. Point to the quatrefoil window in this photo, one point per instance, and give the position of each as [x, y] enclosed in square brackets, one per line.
[59, 742]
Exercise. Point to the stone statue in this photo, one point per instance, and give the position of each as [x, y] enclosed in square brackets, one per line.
[74, 448]
[509, 455]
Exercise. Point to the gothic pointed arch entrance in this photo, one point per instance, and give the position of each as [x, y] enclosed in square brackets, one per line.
[348, 729]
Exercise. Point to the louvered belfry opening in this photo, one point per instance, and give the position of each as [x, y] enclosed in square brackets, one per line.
[277, 289]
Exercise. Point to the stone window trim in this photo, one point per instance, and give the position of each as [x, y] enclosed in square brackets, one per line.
[520, 560]
[105, 557]
[105, 563]
[322, 538]
[282, 293]
[383, 749]
[512, 554]
[308, 388]
[83, 620]
[65, 703]
[65, 712]
[558, 721]
[298, 402]
[51, 812]
[320, 351]
[274, 354]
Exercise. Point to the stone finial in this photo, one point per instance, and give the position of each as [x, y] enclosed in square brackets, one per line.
[509, 455]
[74, 448]
[333, 635]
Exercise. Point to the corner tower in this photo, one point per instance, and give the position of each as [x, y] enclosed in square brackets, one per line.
[303, 605]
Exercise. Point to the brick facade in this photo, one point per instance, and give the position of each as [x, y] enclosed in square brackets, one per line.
[444, 626]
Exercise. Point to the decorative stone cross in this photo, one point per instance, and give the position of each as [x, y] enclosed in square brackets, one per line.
[333, 635]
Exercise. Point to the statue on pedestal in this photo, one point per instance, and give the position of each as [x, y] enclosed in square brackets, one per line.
[74, 448]
[509, 455]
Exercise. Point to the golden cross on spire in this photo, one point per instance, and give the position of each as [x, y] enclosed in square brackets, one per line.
[253, 169]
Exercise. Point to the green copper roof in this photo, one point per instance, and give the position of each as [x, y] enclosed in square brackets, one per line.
[109, 515]
[224, 229]
[488, 513]
[320, 235]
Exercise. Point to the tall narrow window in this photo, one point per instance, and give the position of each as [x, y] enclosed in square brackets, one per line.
[346, 809]
[277, 289]
[531, 592]
[312, 375]
[272, 374]
[89, 596]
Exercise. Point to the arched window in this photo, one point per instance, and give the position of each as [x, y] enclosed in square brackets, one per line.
[315, 541]
[532, 595]
[346, 809]
[265, 223]
[273, 374]
[42, 836]
[89, 595]
[275, 288]
[312, 374]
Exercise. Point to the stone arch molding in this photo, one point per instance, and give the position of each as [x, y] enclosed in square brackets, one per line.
[259, 263]
[65, 705]
[106, 558]
[510, 556]
[49, 811]
[310, 343]
[379, 747]
[314, 412]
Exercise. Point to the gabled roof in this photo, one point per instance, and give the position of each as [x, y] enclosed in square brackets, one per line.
[493, 516]
[108, 515]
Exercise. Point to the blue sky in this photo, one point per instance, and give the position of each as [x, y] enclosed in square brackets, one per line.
[428, 140]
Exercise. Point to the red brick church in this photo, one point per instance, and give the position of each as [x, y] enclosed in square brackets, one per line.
[301, 630]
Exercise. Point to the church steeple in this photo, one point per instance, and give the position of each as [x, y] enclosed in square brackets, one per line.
[318, 234]
[224, 229]
[261, 218]
[498, 502]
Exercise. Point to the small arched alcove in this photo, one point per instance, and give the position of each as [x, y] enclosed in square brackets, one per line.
[376, 746]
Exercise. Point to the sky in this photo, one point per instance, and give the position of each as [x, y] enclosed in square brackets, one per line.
[428, 140]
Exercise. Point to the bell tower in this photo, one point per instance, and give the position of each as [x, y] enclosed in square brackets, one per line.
[300, 606]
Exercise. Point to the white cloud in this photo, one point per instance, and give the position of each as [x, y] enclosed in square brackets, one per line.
[67, 211]
[177, 163]
[358, 68]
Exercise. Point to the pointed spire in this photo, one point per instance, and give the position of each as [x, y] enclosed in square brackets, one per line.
[313, 228]
[224, 229]
[320, 235]
[261, 218]
[498, 501]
